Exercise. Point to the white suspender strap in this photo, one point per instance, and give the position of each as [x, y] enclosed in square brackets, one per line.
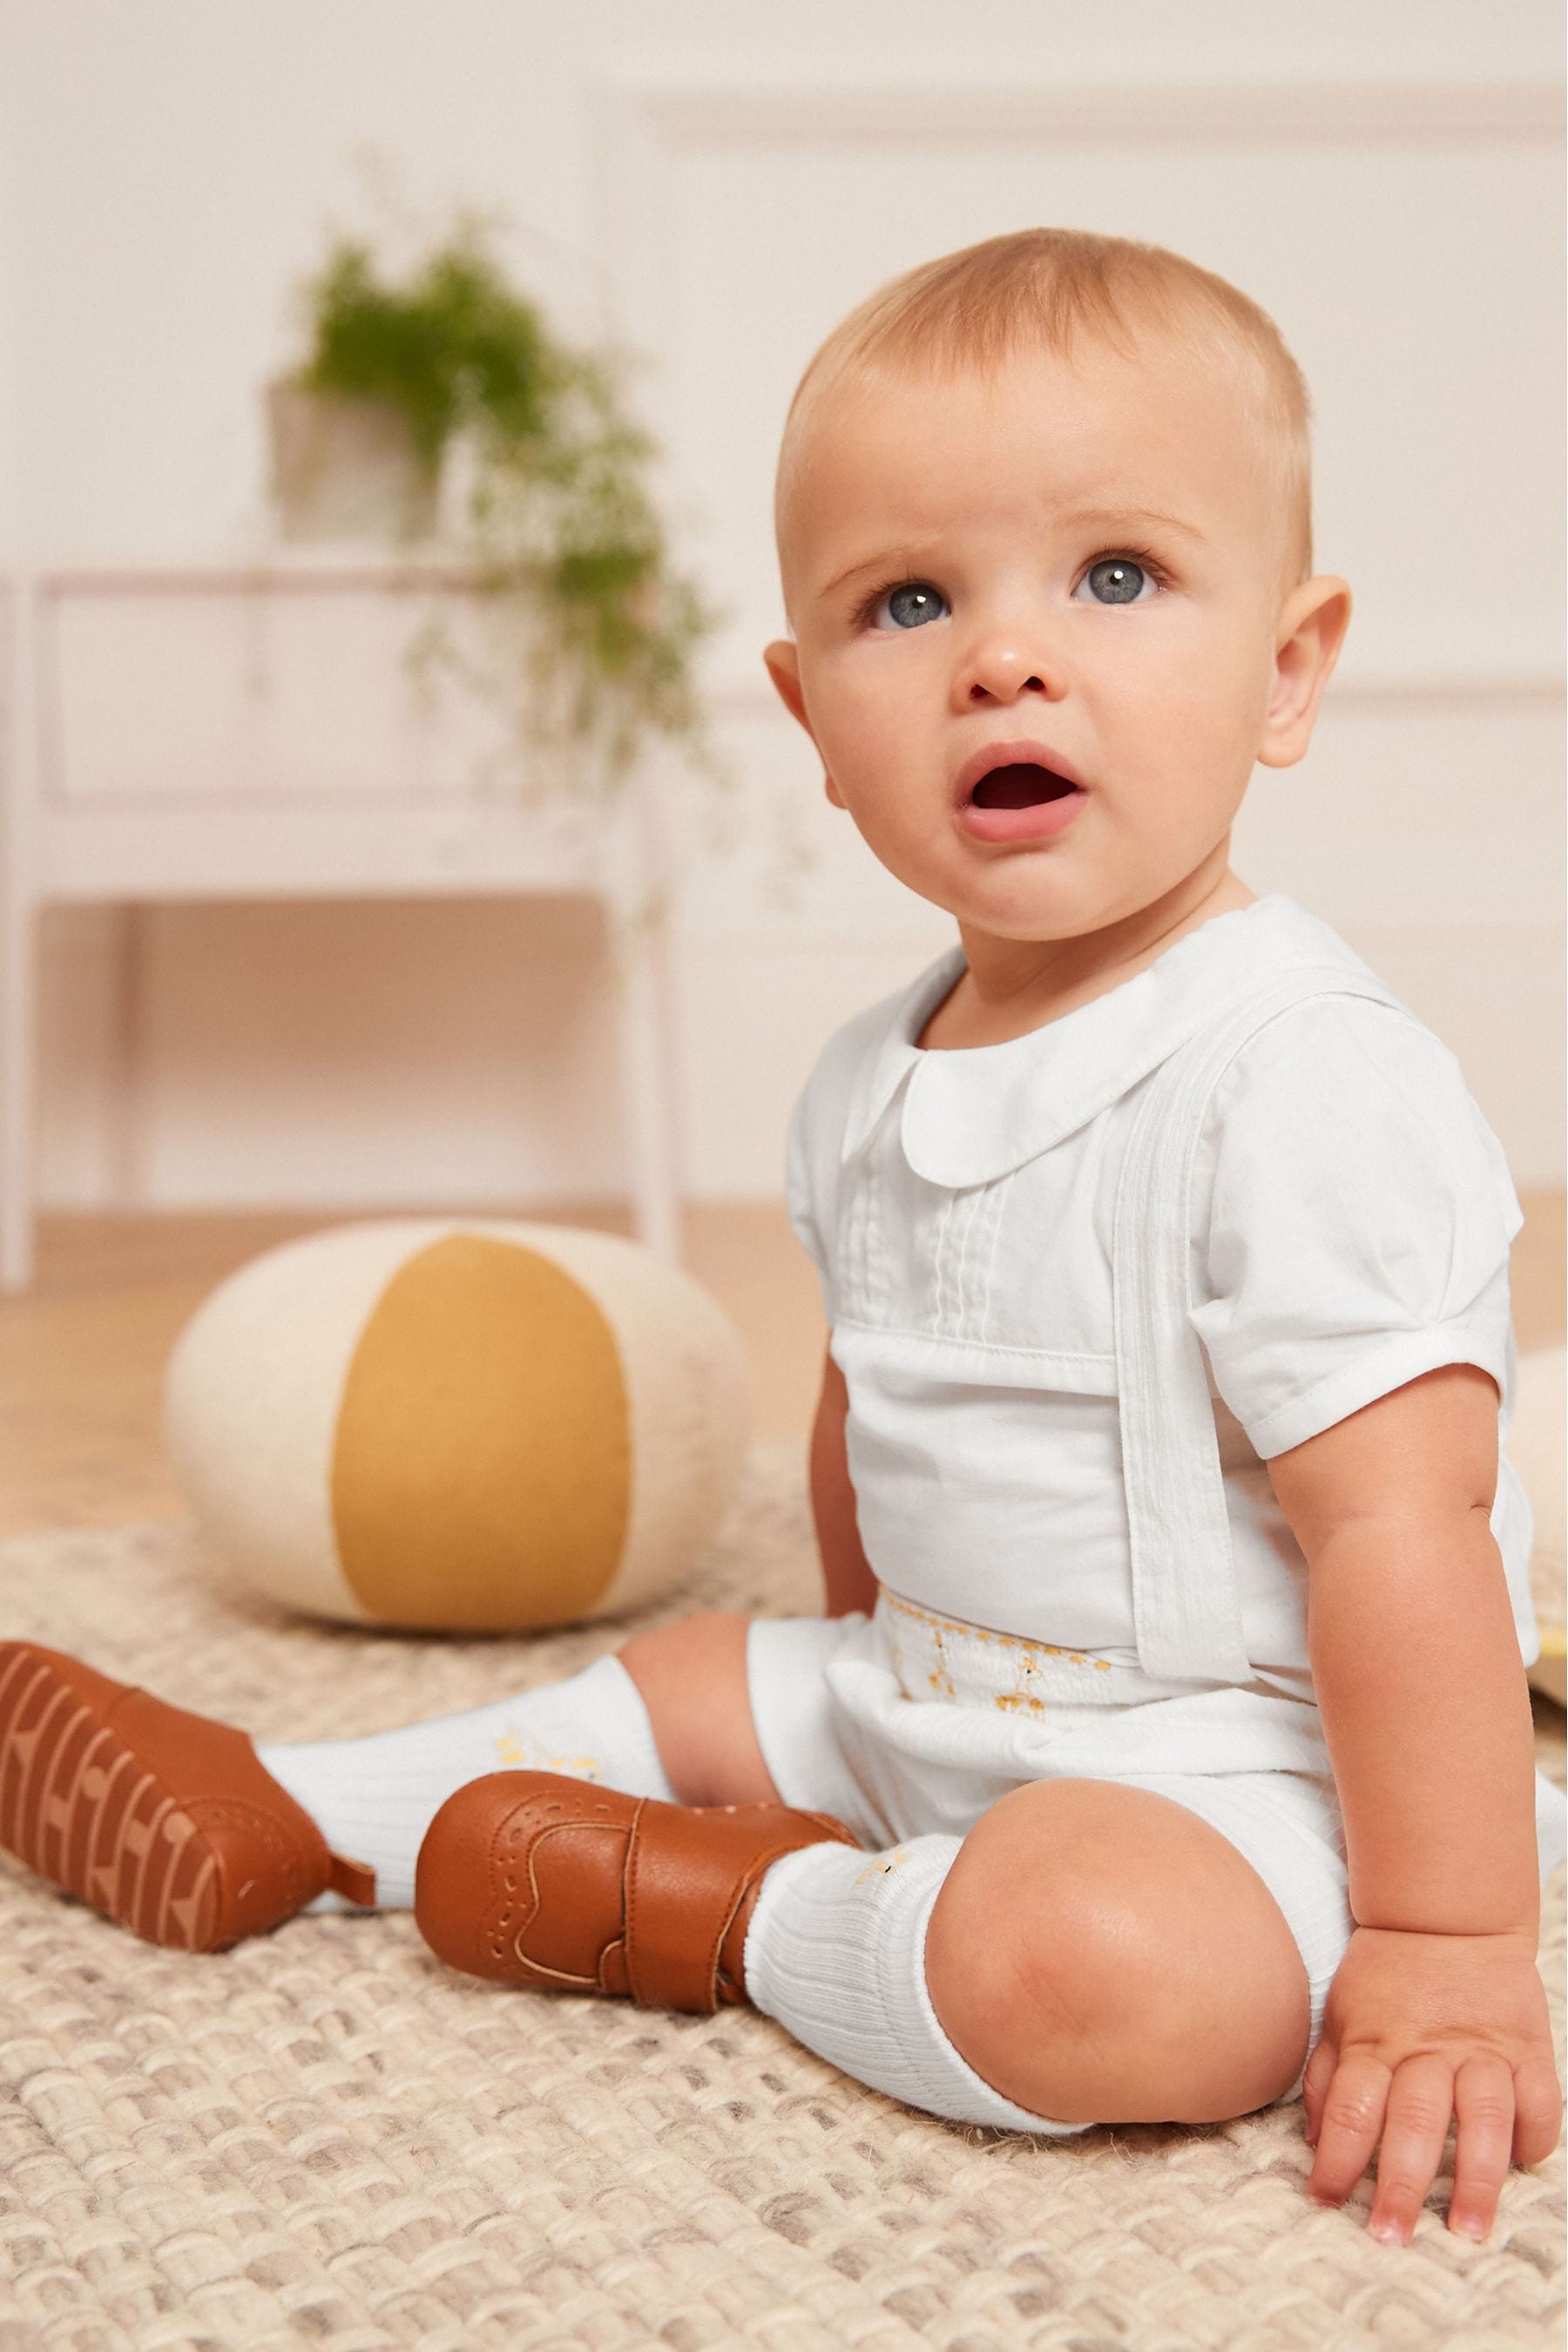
[1185, 1604]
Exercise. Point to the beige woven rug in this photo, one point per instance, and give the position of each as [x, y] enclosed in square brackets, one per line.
[324, 2137]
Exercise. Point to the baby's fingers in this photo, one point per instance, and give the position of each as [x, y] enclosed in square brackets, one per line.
[1538, 2111]
[1351, 2119]
[1420, 2102]
[1315, 2081]
[1483, 2146]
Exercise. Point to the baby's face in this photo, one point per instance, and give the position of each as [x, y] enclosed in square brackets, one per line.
[1037, 626]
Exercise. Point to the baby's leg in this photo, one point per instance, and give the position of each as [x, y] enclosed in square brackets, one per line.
[1090, 1952]
[693, 1679]
[673, 1719]
[1152, 1974]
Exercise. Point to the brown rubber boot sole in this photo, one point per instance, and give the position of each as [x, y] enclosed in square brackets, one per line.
[535, 1878]
[166, 1822]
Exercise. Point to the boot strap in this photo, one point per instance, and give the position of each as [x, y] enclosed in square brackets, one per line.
[354, 1881]
[684, 1883]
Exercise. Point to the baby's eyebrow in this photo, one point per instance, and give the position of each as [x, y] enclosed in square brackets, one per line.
[894, 558]
[1123, 518]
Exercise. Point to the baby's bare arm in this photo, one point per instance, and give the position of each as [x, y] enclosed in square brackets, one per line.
[847, 1578]
[1437, 2010]
[1416, 1659]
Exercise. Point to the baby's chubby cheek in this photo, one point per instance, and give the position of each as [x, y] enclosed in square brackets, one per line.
[877, 752]
[1190, 747]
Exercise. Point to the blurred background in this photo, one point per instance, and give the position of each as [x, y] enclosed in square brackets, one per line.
[241, 1020]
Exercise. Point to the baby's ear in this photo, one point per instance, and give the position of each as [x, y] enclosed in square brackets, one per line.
[783, 658]
[1311, 629]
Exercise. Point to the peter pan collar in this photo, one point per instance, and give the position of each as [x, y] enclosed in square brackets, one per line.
[971, 1113]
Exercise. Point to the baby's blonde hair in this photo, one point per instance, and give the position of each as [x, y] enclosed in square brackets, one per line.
[1041, 289]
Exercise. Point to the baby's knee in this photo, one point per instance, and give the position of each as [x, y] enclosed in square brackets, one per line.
[1066, 1970]
[1033, 1985]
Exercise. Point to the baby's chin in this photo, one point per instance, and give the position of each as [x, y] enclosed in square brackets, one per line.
[1036, 899]
[1023, 899]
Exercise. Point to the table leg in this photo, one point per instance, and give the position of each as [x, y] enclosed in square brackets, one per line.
[19, 945]
[17, 1049]
[639, 943]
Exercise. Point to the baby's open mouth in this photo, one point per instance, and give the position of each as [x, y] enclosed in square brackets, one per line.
[1021, 784]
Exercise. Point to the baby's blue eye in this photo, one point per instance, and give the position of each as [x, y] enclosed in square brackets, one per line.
[909, 606]
[1117, 579]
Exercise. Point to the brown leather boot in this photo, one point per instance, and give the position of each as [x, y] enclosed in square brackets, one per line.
[166, 1822]
[534, 1878]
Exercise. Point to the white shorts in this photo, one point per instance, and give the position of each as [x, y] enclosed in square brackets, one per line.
[830, 1755]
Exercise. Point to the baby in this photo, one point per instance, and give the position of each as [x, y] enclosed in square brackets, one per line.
[1164, 1749]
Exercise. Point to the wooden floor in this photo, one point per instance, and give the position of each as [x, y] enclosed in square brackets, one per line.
[82, 1356]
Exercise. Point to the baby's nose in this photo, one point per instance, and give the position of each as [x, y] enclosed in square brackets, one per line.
[1002, 671]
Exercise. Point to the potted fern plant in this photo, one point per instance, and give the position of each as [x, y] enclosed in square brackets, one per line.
[440, 408]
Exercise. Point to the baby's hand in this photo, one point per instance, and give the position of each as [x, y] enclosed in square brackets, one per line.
[1418, 2029]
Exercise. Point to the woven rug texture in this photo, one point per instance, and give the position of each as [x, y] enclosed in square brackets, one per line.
[325, 2137]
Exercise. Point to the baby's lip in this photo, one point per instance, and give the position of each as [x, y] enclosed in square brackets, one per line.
[1012, 755]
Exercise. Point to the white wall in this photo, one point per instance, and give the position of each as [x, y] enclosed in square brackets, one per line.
[718, 182]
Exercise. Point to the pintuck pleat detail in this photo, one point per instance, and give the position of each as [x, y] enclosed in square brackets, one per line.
[963, 1253]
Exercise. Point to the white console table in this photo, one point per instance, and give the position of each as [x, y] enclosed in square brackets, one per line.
[259, 730]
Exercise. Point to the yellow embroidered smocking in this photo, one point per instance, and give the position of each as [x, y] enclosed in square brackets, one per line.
[935, 1671]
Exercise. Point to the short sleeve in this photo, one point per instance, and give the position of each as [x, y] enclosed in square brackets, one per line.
[1353, 1216]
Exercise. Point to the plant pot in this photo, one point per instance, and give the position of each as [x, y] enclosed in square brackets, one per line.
[345, 468]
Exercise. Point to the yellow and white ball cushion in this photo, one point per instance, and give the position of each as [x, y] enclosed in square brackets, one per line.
[460, 1426]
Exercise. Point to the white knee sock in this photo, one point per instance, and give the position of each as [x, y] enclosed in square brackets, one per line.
[374, 1799]
[835, 1951]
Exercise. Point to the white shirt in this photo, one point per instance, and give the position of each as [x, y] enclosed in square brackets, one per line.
[1352, 1225]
